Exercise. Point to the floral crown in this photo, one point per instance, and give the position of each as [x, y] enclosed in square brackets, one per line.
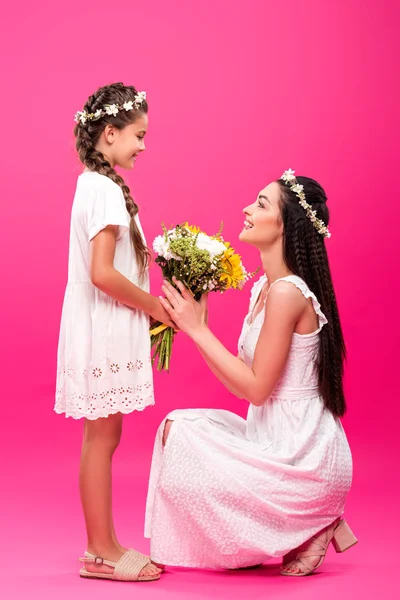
[290, 180]
[110, 109]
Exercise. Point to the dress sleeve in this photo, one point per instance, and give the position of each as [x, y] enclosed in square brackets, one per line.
[106, 206]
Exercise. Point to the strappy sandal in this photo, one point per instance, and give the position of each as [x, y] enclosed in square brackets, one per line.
[342, 538]
[289, 557]
[128, 567]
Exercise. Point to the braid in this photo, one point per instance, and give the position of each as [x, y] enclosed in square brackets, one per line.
[305, 255]
[86, 139]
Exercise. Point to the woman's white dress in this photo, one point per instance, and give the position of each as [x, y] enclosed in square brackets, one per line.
[227, 492]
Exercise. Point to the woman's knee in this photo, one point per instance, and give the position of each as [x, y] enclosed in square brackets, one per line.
[167, 429]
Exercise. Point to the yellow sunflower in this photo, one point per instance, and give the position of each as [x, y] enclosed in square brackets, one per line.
[232, 265]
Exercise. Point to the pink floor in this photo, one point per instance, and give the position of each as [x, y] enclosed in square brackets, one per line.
[42, 533]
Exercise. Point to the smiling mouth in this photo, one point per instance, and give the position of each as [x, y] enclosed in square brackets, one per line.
[248, 225]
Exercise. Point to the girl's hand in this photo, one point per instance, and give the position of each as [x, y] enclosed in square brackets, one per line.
[189, 315]
[159, 314]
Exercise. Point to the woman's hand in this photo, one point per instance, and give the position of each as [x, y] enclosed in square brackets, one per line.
[189, 315]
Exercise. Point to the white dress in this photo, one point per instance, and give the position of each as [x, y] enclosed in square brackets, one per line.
[104, 364]
[227, 492]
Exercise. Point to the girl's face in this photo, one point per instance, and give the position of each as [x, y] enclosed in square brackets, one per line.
[263, 222]
[126, 144]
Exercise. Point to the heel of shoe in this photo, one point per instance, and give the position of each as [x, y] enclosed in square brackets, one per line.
[343, 537]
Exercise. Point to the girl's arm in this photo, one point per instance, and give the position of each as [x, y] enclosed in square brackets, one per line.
[256, 383]
[110, 281]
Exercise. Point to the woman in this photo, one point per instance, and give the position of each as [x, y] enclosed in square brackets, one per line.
[230, 493]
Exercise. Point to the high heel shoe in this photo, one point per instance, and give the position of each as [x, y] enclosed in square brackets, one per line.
[342, 538]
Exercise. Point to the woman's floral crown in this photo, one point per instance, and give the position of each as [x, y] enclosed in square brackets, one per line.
[290, 180]
[110, 109]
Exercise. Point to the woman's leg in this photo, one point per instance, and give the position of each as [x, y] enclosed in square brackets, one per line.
[167, 429]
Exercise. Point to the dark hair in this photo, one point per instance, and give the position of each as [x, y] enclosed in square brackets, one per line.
[87, 136]
[305, 255]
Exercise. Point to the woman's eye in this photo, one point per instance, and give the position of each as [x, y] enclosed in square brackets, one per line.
[260, 204]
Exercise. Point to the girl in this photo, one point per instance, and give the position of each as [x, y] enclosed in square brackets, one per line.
[104, 367]
[230, 493]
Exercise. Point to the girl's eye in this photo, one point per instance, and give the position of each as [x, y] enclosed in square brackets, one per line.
[260, 204]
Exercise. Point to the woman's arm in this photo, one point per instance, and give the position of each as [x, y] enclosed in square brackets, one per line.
[110, 281]
[255, 384]
[219, 376]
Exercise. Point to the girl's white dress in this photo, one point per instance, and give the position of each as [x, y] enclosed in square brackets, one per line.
[104, 364]
[227, 492]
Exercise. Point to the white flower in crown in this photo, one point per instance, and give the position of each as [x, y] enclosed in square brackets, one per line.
[98, 114]
[140, 98]
[297, 188]
[81, 116]
[128, 105]
[111, 109]
[288, 176]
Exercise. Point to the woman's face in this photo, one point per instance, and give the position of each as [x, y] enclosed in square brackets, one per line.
[263, 224]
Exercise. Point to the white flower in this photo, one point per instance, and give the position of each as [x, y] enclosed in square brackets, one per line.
[297, 189]
[288, 176]
[213, 247]
[98, 114]
[128, 105]
[140, 98]
[172, 234]
[83, 117]
[160, 246]
[111, 109]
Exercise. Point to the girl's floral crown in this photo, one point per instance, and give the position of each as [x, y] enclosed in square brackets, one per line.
[110, 109]
[291, 181]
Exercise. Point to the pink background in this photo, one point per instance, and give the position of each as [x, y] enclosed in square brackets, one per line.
[238, 91]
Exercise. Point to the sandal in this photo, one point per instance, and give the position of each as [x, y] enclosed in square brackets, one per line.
[342, 538]
[128, 567]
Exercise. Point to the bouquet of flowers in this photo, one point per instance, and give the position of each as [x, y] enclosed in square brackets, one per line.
[203, 264]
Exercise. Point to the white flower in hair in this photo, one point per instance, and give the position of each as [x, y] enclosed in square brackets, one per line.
[290, 180]
[111, 109]
[140, 98]
[98, 114]
[128, 105]
[297, 189]
[288, 176]
[81, 116]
